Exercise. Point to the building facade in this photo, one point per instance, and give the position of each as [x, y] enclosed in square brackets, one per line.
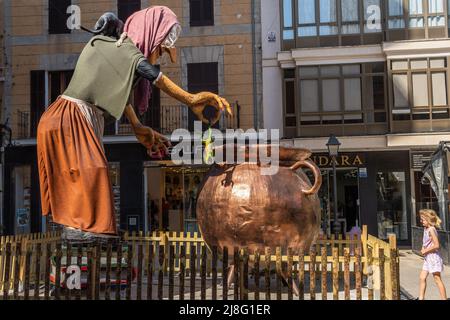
[375, 74]
[217, 51]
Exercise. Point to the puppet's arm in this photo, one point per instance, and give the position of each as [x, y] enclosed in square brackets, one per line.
[155, 143]
[196, 102]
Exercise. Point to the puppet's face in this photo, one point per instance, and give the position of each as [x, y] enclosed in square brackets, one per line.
[160, 51]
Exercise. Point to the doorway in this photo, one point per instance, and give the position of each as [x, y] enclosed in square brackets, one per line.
[347, 200]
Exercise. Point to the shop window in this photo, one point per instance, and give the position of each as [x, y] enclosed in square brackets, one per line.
[179, 200]
[114, 176]
[201, 13]
[57, 16]
[22, 199]
[392, 202]
[126, 8]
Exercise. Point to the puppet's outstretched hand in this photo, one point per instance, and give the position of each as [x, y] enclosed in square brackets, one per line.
[197, 102]
[203, 99]
[156, 144]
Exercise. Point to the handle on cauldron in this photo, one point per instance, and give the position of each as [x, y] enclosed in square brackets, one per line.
[317, 175]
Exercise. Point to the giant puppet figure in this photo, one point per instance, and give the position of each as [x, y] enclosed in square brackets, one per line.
[73, 169]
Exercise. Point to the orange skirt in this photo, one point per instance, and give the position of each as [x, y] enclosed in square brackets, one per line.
[73, 171]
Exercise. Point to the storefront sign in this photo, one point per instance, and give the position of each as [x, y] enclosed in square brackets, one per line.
[420, 159]
[23, 217]
[342, 160]
[363, 172]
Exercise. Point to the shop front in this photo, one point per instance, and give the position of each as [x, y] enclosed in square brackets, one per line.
[373, 189]
[171, 196]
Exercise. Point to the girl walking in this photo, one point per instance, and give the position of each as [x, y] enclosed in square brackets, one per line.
[430, 250]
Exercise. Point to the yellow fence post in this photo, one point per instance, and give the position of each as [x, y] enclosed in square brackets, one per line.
[364, 247]
[395, 274]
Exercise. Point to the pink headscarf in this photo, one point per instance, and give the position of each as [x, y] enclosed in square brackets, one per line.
[148, 28]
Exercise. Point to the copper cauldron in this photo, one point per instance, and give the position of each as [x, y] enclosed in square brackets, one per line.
[239, 207]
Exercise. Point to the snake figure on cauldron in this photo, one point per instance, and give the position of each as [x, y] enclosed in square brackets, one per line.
[73, 170]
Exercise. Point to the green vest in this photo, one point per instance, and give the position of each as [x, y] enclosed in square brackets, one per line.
[105, 73]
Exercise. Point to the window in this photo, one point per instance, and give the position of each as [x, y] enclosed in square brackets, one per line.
[202, 13]
[289, 93]
[436, 16]
[395, 14]
[37, 99]
[416, 14]
[203, 77]
[315, 23]
[57, 84]
[372, 16]
[328, 25]
[306, 17]
[57, 16]
[126, 8]
[342, 94]
[350, 16]
[420, 89]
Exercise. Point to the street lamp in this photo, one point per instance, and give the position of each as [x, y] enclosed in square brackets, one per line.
[333, 145]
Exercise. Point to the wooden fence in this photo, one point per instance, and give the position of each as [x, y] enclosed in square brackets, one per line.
[181, 266]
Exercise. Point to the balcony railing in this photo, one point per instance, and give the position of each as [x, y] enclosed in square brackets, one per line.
[171, 117]
[165, 120]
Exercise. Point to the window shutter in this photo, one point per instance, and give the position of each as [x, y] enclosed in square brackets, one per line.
[37, 97]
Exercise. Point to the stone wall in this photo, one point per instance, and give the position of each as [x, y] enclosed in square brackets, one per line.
[228, 42]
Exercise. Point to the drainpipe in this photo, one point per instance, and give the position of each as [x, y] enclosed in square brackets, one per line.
[255, 93]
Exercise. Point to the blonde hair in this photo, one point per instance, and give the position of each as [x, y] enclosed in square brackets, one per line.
[431, 216]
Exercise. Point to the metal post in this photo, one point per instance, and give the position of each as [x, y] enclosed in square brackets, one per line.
[336, 223]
